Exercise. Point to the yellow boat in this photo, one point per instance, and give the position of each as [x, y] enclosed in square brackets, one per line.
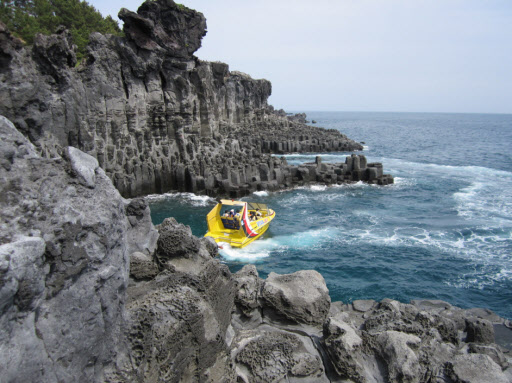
[238, 223]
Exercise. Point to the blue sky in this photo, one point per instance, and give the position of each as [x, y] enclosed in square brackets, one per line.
[364, 55]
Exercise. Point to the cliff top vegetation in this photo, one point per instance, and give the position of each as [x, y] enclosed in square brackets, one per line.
[26, 18]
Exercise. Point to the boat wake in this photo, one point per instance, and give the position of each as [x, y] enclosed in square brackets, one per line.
[185, 198]
[265, 247]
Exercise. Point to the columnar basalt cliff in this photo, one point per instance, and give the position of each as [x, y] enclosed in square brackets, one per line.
[91, 291]
[154, 116]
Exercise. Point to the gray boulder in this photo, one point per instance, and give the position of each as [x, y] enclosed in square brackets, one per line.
[397, 349]
[475, 368]
[83, 165]
[479, 331]
[345, 349]
[272, 355]
[175, 240]
[302, 297]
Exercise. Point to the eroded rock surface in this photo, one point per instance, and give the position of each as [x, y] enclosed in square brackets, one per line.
[63, 265]
[302, 296]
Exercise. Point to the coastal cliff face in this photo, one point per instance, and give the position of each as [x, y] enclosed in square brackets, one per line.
[154, 116]
[91, 291]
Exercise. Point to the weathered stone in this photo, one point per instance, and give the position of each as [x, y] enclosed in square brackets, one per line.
[302, 296]
[402, 361]
[247, 283]
[63, 269]
[142, 266]
[479, 331]
[270, 355]
[344, 347]
[475, 368]
[363, 305]
[175, 240]
[142, 235]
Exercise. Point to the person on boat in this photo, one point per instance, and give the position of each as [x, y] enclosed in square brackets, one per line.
[258, 214]
[232, 213]
[252, 216]
[226, 213]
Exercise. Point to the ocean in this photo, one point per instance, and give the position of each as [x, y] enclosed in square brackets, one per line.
[442, 231]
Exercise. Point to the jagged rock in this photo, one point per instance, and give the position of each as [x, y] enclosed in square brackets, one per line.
[211, 246]
[402, 361]
[142, 236]
[83, 165]
[175, 240]
[166, 24]
[176, 325]
[492, 351]
[301, 296]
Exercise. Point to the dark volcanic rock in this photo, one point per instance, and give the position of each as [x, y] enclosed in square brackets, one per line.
[155, 117]
[175, 240]
[177, 320]
[165, 24]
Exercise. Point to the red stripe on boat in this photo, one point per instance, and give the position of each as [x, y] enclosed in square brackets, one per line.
[247, 223]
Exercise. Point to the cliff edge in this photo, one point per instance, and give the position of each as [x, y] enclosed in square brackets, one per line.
[155, 116]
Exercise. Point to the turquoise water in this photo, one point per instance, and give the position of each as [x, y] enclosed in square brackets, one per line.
[443, 231]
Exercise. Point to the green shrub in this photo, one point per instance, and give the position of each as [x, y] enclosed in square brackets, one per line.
[26, 18]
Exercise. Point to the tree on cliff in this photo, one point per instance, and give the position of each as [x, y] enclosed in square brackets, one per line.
[26, 18]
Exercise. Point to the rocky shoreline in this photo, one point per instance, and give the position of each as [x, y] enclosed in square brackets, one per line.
[90, 290]
[156, 117]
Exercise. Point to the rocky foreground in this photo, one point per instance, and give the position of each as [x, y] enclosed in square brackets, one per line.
[156, 117]
[91, 291]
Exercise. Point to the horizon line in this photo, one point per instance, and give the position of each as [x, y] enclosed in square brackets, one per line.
[294, 110]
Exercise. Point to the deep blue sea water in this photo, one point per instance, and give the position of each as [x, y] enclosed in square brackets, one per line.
[442, 231]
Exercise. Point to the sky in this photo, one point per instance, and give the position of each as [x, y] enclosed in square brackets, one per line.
[363, 55]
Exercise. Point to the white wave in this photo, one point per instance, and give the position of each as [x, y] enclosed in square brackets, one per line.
[262, 248]
[190, 198]
[262, 193]
[366, 148]
[404, 182]
[489, 200]
[252, 253]
[486, 197]
[438, 169]
[318, 188]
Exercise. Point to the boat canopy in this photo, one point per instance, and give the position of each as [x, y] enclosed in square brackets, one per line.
[231, 202]
[254, 206]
